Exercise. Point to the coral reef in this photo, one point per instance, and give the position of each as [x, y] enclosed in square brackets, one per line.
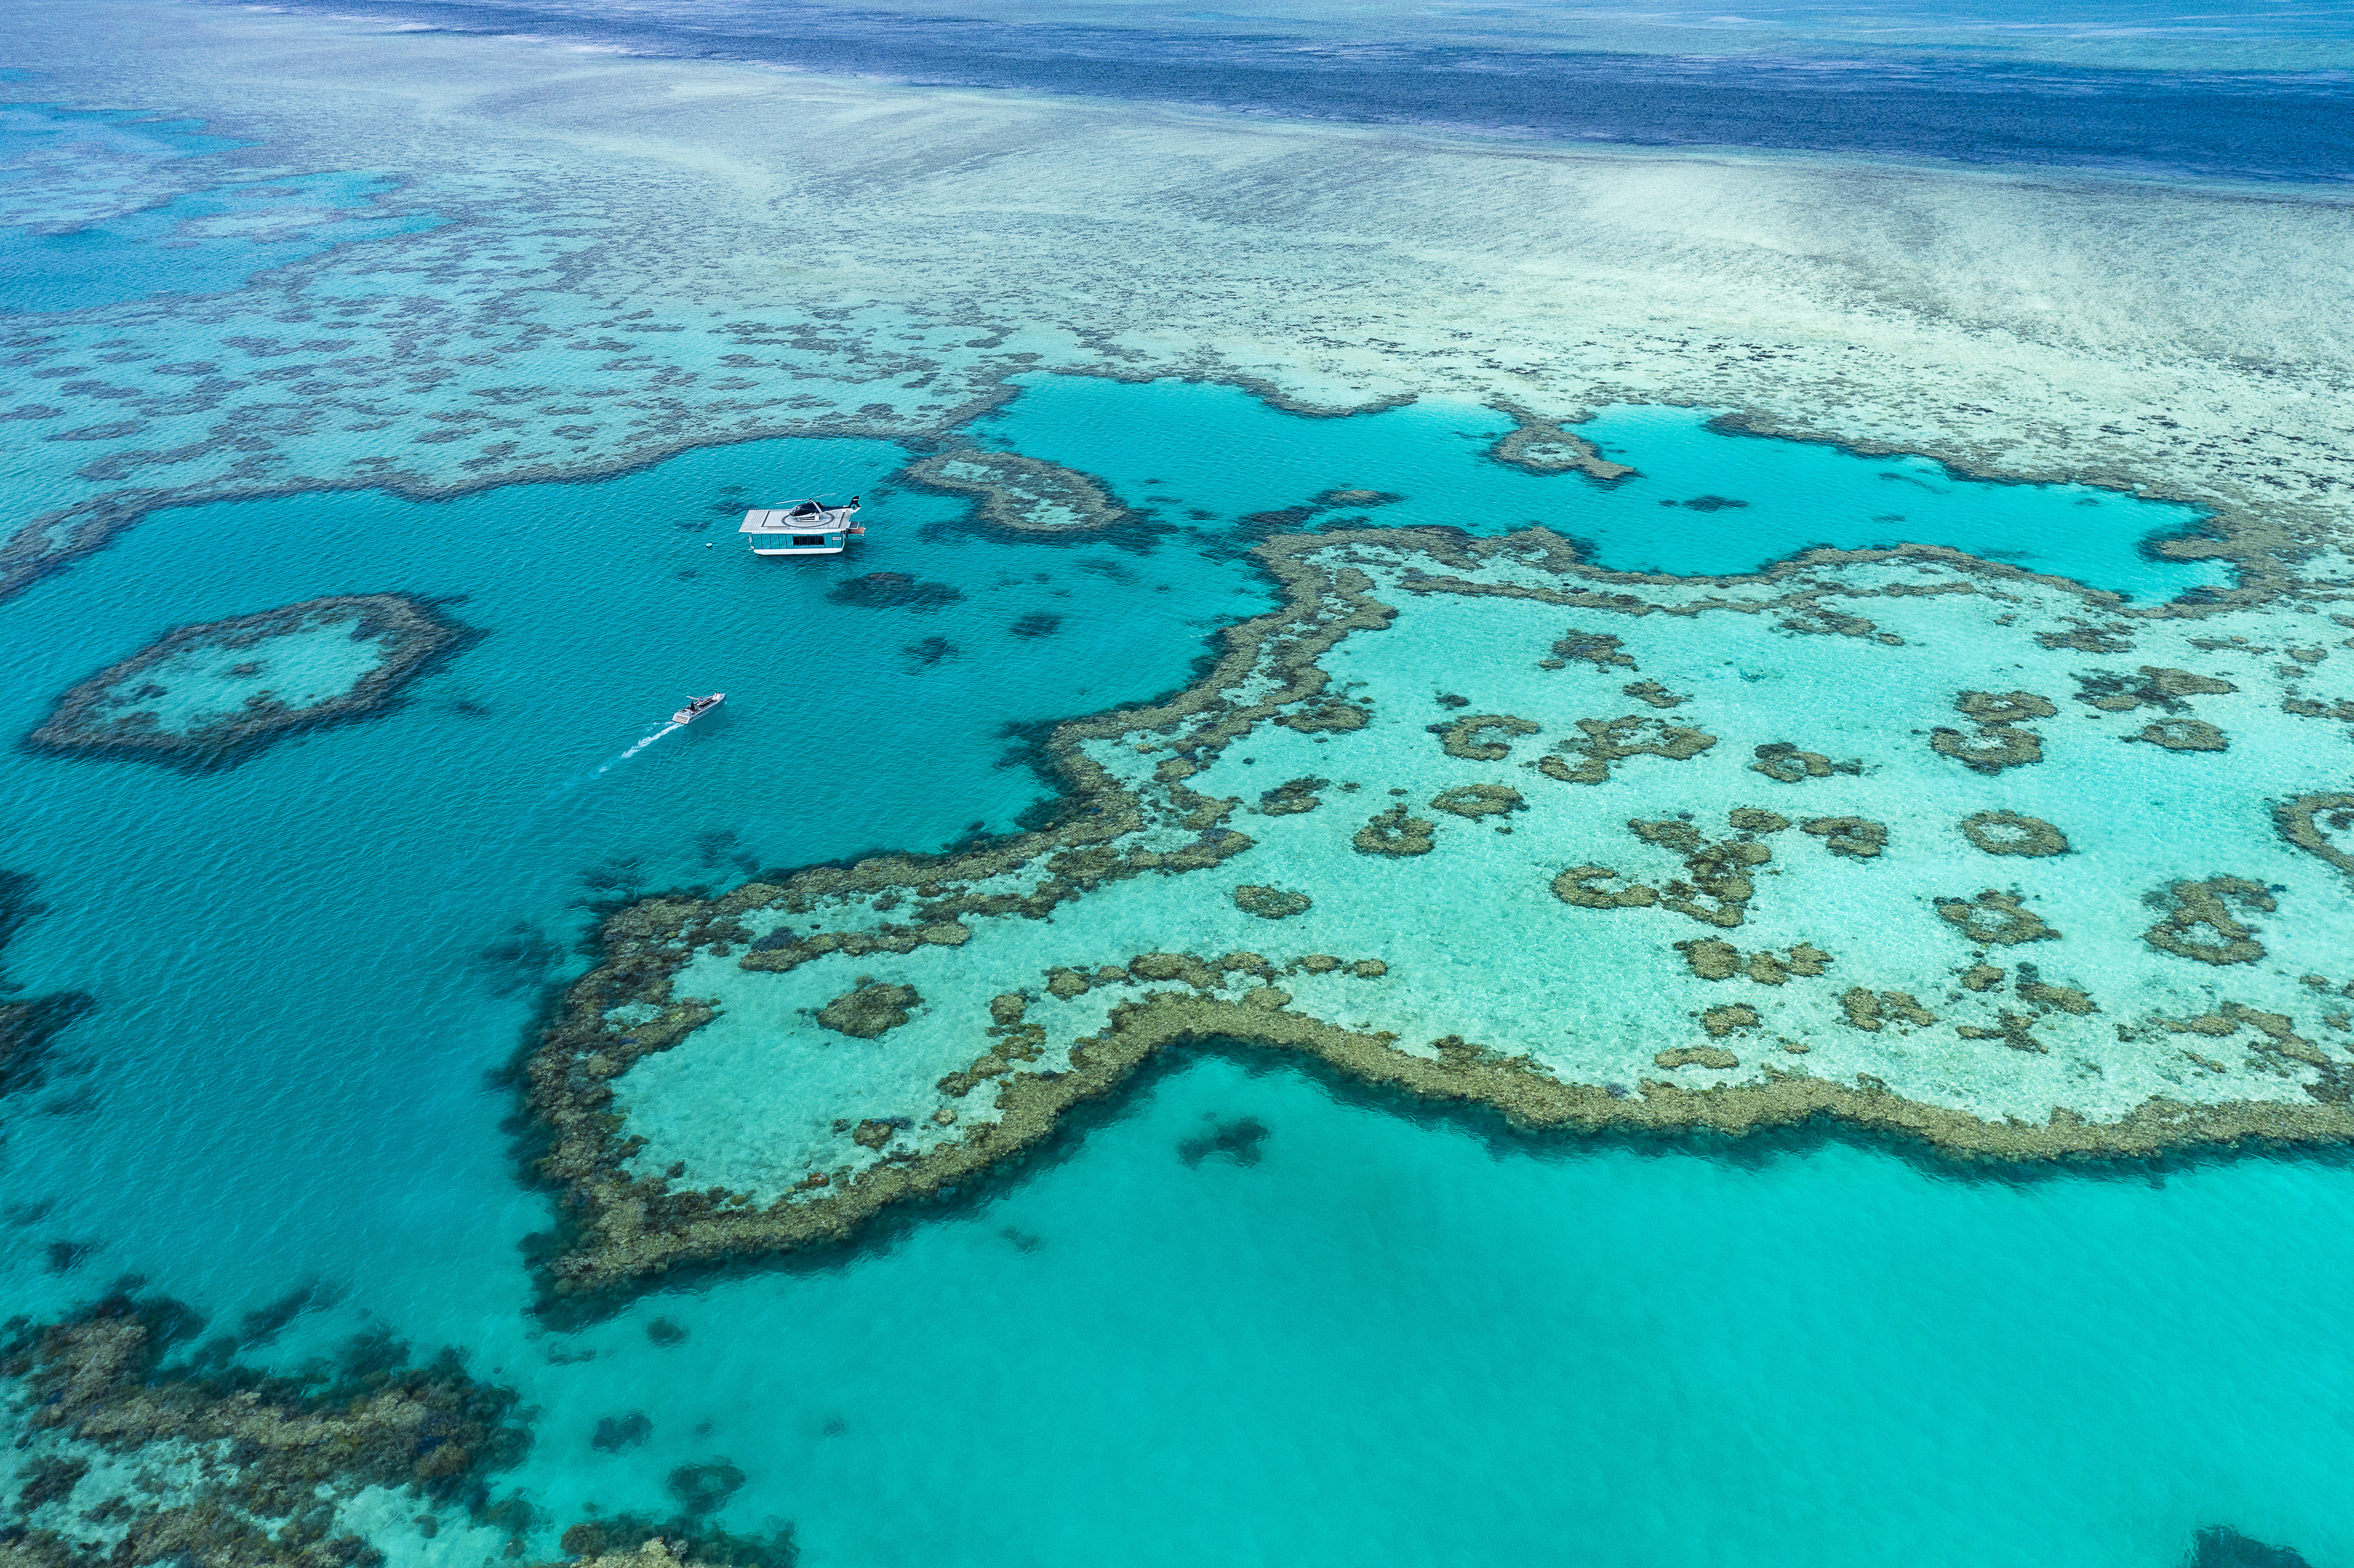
[1995, 917]
[1021, 494]
[893, 591]
[2009, 833]
[1546, 446]
[2308, 822]
[2183, 735]
[1854, 837]
[1466, 737]
[116, 711]
[1150, 792]
[1478, 800]
[1602, 742]
[1271, 903]
[259, 1464]
[2208, 905]
[1394, 832]
[2111, 692]
[869, 1011]
[1782, 760]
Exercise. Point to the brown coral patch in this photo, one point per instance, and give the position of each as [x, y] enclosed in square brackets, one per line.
[1997, 918]
[2004, 707]
[2009, 833]
[1995, 746]
[1021, 494]
[1720, 888]
[1602, 742]
[1394, 832]
[2156, 685]
[1782, 760]
[1575, 886]
[2183, 735]
[1292, 795]
[1719, 1021]
[1598, 649]
[2308, 822]
[1271, 903]
[1857, 838]
[1478, 800]
[1546, 446]
[2208, 906]
[1327, 716]
[413, 636]
[1651, 692]
[869, 1010]
[1463, 737]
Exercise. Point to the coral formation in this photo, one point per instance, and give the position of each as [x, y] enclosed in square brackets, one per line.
[1602, 742]
[2111, 691]
[867, 1011]
[1854, 837]
[1781, 759]
[2308, 822]
[2208, 904]
[259, 1464]
[893, 591]
[1021, 494]
[1478, 800]
[1394, 832]
[1271, 903]
[1995, 917]
[28, 1027]
[1149, 793]
[1466, 737]
[1546, 446]
[120, 710]
[2183, 735]
[2009, 833]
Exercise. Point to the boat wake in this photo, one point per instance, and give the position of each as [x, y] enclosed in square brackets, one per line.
[635, 749]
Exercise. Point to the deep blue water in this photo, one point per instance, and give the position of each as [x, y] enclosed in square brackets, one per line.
[1966, 102]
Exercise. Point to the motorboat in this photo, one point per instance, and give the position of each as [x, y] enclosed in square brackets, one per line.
[804, 528]
[697, 708]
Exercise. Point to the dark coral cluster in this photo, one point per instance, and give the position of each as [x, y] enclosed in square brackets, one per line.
[129, 1372]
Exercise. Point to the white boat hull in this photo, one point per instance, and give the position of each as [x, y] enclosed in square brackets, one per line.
[805, 528]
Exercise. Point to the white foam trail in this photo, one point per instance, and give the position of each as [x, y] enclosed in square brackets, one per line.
[640, 747]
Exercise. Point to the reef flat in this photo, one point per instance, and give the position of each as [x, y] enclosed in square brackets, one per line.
[208, 695]
[1898, 838]
[1023, 494]
[141, 1446]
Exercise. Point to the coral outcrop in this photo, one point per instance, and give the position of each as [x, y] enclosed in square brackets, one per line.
[126, 710]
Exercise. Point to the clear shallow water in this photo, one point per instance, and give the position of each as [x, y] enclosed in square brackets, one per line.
[1390, 1341]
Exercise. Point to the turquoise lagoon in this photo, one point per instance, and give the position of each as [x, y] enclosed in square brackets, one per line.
[1383, 1339]
[1185, 440]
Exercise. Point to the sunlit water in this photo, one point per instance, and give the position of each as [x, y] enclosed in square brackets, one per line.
[1338, 1333]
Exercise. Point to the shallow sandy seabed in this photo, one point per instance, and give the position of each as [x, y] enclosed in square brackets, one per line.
[1512, 893]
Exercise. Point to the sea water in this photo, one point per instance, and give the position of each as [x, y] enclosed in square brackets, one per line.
[1241, 1314]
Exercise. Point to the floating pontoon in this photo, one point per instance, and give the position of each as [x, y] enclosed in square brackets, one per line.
[804, 528]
